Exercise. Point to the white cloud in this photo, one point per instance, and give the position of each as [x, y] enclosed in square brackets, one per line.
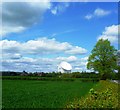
[97, 13]
[54, 11]
[101, 12]
[89, 16]
[110, 33]
[18, 16]
[111, 30]
[22, 15]
[78, 69]
[68, 59]
[59, 8]
[40, 46]
[29, 56]
[40, 64]
[76, 50]
[72, 58]
[84, 59]
[8, 29]
[64, 32]
[11, 56]
[112, 39]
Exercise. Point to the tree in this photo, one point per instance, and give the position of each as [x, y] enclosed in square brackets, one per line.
[103, 58]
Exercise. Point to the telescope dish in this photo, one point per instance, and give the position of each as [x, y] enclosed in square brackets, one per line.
[65, 66]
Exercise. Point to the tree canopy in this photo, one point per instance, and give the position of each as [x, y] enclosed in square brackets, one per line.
[103, 58]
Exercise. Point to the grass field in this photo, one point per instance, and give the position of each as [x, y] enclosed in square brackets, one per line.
[42, 94]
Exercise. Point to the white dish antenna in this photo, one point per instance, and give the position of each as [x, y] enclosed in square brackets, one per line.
[64, 67]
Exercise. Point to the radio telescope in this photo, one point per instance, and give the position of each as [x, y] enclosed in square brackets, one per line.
[64, 67]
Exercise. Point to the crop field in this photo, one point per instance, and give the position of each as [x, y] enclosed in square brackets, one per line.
[42, 94]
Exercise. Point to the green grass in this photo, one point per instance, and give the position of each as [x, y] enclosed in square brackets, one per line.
[42, 94]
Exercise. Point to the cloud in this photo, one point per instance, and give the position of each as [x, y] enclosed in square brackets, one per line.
[33, 55]
[10, 46]
[97, 13]
[59, 8]
[40, 46]
[110, 33]
[111, 30]
[84, 59]
[78, 69]
[101, 12]
[41, 64]
[54, 11]
[76, 50]
[11, 56]
[18, 16]
[68, 59]
[89, 16]
[64, 32]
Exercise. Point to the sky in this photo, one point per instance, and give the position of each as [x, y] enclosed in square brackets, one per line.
[37, 36]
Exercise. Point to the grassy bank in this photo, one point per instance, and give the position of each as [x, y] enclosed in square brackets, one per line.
[103, 95]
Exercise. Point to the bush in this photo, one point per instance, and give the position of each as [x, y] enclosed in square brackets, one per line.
[104, 97]
[89, 79]
[37, 78]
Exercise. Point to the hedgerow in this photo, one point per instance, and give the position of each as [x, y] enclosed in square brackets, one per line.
[49, 78]
[105, 97]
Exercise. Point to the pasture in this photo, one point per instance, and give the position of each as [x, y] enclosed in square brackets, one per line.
[42, 94]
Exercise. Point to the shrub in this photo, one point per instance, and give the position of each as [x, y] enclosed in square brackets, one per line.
[89, 79]
[104, 97]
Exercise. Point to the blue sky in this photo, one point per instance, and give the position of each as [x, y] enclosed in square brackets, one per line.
[38, 36]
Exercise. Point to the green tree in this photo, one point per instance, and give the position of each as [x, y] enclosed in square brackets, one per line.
[103, 59]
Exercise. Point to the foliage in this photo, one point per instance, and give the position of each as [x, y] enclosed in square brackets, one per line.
[41, 94]
[36, 78]
[103, 58]
[64, 77]
[106, 96]
[89, 79]
[80, 75]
